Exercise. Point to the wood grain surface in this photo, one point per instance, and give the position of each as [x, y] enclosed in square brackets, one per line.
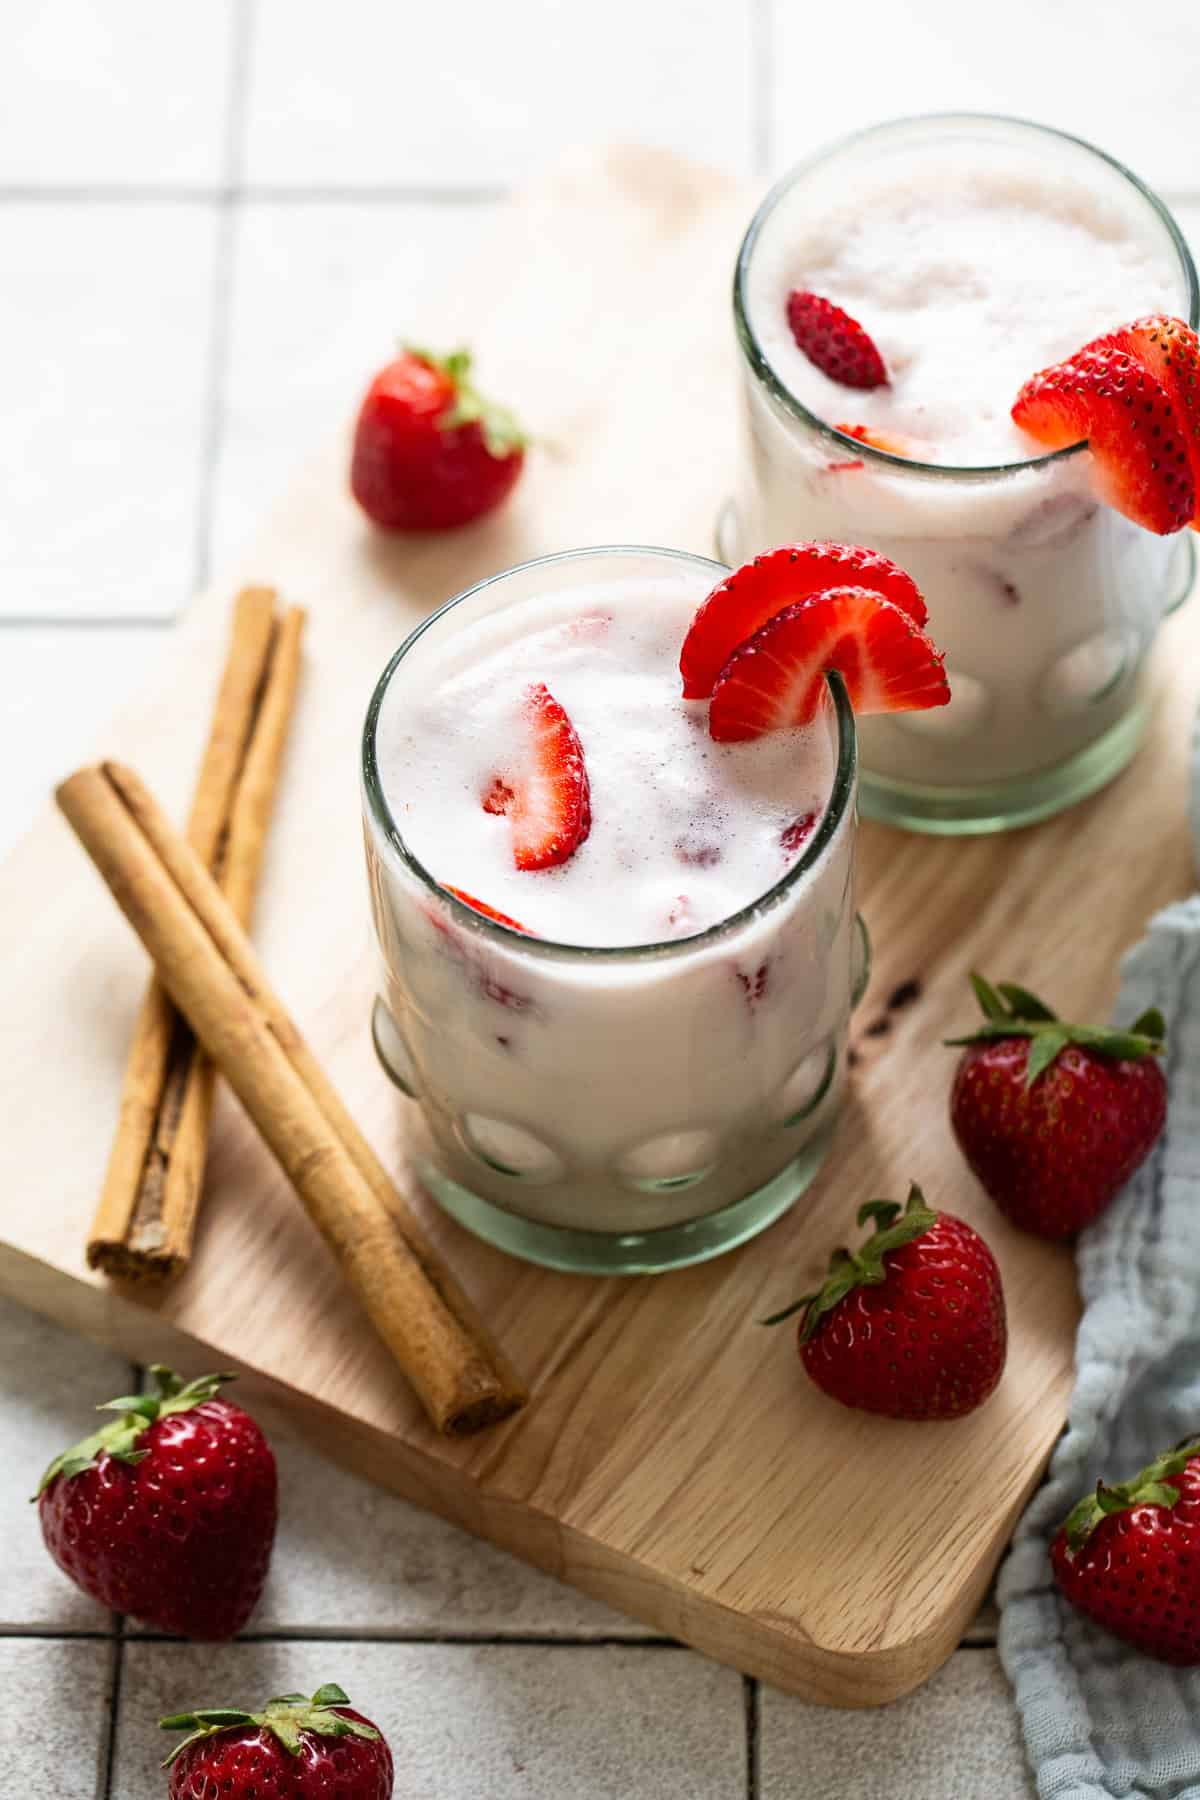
[673, 1461]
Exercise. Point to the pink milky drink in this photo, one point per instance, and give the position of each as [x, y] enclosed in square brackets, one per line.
[648, 1074]
[974, 251]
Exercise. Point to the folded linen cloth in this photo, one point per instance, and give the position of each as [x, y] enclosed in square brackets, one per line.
[1101, 1721]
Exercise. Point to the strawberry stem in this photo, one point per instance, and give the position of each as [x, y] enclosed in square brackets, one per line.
[1150, 1487]
[848, 1269]
[288, 1717]
[1012, 1011]
[501, 432]
[136, 1413]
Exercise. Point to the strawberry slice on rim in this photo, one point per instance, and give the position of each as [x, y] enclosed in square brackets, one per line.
[834, 342]
[488, 912]
[1169, 350]
[547, 801]
[777, 679]
[1140, 455]
[745, 600]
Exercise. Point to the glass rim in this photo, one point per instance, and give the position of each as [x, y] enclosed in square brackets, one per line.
[763, 369]
[841, 791]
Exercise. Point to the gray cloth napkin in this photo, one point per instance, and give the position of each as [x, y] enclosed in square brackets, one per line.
[1101, 1721]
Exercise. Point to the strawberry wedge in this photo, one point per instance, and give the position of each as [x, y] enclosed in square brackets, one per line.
[776, 679]
[1107, 397]
[488, 912]
[745, 600]
[1169, 351]
[834, 342]
[546, 800]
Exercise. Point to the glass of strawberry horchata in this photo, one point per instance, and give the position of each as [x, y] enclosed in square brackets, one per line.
[617, 926]
[895, 299]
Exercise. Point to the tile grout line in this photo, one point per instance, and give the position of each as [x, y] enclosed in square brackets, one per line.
[750, 1697]
[107, 1756]
[227, 201]
[256, 193]
[338, 1634]
[761, 24]
[108, 1742]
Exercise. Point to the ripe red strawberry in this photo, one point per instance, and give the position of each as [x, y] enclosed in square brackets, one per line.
[892, 442]
[429, 451]
[742, 603]
[1055, 1118]
[546, 800]
[296, 1748]
[167, 1513]
[778, 677]
[1129, 1557]
[489, 912]
[835, 342]
[1169, 351]
[1139, 454]
[912, 1324]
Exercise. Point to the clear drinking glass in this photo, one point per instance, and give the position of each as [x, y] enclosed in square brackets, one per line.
[614, 1110]
[1045, 602]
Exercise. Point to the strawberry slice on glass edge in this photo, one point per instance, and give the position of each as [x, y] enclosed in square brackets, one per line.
[547, 802]
[745, 600]
[1169, 350]
[777, 678]
[1142, 463]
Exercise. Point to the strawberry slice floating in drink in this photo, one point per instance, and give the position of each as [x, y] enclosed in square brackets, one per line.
[488, 912]
[889, 441]
[546, 800]
[834, 342]
[1145, 447]
[745, 600]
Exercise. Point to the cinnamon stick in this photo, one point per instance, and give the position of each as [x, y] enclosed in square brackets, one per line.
[209, 968]
[145, 1221]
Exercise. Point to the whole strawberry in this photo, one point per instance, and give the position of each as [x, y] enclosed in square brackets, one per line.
[305, 1749]
[912, 1324]
[169, 1512]
[1055, 1118]
[429, 451]
[1129, 1557]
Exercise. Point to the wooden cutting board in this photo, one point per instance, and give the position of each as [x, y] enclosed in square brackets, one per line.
[673, 1461]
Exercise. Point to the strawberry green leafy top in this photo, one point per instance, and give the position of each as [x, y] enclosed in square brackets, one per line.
[864, 1267]
[288, 1717]
[501, 433]
[1150, 1487]
[137, 1413]
[1011, 1011]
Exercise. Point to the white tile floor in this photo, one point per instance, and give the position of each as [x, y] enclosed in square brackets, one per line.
[216, 218]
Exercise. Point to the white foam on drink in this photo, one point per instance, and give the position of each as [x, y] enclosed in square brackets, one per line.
[970, 270]
[684, 833]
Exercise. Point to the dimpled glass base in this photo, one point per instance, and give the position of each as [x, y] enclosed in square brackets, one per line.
[1004, 805]
[629, 1253]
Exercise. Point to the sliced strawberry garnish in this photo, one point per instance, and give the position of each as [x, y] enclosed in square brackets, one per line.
[776, 679]
[884, 440]
[489, 912]
[1168, 350]
[745, 600]
[1139, 453]
[547, 799]
[835, 342]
